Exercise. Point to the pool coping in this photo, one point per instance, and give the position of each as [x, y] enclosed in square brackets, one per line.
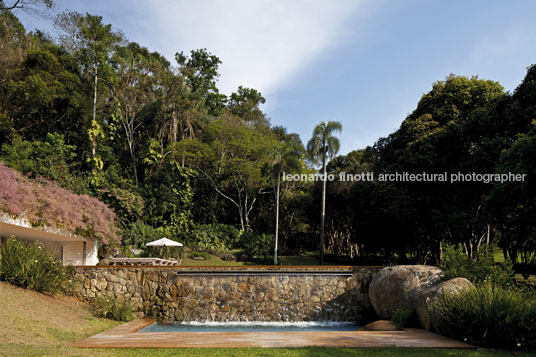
[126, 336]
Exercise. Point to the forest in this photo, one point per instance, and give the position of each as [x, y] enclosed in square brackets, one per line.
[159, 144]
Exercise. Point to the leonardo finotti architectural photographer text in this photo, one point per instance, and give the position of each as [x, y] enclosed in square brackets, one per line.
[409, 177]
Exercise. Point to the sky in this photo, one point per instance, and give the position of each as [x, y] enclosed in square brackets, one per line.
[365, 63]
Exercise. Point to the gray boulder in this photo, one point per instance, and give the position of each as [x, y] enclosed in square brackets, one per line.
[398, 287]
[426, 312]
[229, 257]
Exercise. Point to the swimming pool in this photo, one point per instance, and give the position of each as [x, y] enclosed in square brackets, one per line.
[252, 326]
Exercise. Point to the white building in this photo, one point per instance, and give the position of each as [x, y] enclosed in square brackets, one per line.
[68, 248]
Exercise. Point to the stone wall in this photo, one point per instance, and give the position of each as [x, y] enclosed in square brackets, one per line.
[235, 293]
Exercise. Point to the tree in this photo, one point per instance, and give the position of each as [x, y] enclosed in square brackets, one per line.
[139, 77]
[233, 157]
[245, 103]
[92, 43]
[321, 147]
[46, 95]
[28, 5]
[201, 73]
[512, 205]
[286, 154]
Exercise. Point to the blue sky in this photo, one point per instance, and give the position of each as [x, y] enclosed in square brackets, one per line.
[365, 63]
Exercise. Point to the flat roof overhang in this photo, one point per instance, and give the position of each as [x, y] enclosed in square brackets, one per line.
[9, 229]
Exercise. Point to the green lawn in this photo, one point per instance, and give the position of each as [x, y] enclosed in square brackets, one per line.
[301, 260]
[11, 350]
[214, 260]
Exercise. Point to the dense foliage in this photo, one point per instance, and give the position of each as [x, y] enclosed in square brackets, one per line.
[478, 269]
[462, 125]
[172, 156]
[30, 266]
[112, 309]
[491, 316]
[44, 204]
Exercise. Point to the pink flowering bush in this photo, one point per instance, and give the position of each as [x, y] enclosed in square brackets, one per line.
[45, 204]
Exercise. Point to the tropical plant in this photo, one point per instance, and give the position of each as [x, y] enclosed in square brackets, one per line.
[212, 238]
[489, 316]
[322, 147]
[405, 318]
[30, 266]
[478, 269]
[112, 309]
[257, 245]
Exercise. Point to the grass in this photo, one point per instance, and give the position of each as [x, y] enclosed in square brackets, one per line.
[298, 260]
[35, 324]
[11, 350]
[32, 321]
[214, 260]
[301, 260]
[498, 257]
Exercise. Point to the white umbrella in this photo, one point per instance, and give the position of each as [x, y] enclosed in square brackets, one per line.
[164, 242]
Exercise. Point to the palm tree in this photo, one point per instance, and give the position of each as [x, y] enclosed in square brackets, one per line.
[324, 145]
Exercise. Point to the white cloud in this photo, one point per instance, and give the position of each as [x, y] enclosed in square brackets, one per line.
[262, 43]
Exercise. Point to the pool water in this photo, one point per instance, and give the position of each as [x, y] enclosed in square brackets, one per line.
[252, 326]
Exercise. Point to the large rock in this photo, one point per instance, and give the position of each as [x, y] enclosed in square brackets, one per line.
[380, 325]
[426, 312]
[398, 287]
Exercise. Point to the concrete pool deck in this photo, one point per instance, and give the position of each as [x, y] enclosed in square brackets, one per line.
[126, 336]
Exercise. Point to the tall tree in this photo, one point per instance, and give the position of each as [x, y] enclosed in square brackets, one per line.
[92, 43]
[233, 157]
[286, 154]
[453, 129]
[201, 73]
[323, 146]
[139, 78]
[245, 103]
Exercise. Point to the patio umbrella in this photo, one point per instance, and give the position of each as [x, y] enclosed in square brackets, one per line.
[164, 242]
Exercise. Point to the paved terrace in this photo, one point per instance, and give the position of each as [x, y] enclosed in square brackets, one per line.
[127, 336]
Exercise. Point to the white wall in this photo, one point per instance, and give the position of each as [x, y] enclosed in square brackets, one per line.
[69, 249]
[73, 253]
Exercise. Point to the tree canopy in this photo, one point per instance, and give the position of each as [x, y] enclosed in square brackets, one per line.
[109, 119]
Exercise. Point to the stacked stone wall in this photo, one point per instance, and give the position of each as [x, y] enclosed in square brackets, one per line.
[234, 293]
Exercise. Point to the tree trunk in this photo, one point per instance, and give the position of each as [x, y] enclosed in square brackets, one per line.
[277, 214]
[323, 215]
[241, 214]
[93, 144]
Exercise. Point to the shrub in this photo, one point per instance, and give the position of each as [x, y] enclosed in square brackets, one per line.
[43, 203]
[213, 238]
[490, 316]
[405, 318]
[478, 269]
[138, 234]
[32, 267]
[112, 309]
[256, 245]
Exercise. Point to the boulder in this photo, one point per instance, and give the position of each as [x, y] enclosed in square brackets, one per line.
[229, 257]
[398, 287]
[380, 325]
[105, 261]
[428, 317]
